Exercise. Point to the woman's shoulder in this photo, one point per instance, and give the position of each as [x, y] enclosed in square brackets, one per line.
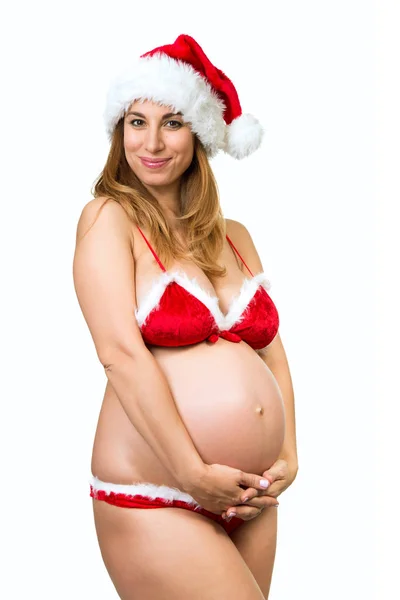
[98, 204]
[243, 241]
[107, 212]
[237, 231]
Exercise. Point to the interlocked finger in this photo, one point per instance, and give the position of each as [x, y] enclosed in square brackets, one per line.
[253, 507]
[260, 502]
[244, 512]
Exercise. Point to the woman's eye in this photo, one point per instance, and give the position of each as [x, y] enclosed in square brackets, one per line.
[139, 122]
[177, 123]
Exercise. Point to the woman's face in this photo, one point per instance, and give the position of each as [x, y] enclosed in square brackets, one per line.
[158, 144]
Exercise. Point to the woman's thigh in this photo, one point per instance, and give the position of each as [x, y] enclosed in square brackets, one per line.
[170, 553]
[256, 542]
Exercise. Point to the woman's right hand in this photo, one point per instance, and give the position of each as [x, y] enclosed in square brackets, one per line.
[218, 487]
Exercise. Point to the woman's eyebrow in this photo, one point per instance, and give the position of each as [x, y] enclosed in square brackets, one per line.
[138, 114]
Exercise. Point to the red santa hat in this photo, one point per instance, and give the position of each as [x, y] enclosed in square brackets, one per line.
[180, 75]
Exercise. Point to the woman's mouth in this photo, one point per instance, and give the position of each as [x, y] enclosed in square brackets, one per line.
[152, 163]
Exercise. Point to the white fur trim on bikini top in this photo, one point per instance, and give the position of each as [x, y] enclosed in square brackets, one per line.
[236, 308]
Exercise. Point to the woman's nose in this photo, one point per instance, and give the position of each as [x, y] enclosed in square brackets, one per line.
[154, 139]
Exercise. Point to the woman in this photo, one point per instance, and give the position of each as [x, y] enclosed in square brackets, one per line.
[198, 412]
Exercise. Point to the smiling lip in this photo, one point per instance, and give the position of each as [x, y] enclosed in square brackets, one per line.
[154, 163]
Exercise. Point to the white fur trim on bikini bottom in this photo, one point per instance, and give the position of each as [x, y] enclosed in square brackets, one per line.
[149, 490]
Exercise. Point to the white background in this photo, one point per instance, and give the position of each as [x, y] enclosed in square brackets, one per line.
[322, 77]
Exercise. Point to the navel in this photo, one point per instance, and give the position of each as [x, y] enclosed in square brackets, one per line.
[260, 410]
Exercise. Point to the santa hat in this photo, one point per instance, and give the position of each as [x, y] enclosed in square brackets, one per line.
[180, 75]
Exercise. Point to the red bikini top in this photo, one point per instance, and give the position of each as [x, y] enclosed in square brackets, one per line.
[178, 312]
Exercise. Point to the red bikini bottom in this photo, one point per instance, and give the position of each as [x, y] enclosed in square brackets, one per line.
[149, 495]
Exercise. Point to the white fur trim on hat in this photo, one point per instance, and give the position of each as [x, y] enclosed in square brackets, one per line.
[243, 136]
[170, 82]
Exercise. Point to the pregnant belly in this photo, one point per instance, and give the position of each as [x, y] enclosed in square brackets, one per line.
[229, 401]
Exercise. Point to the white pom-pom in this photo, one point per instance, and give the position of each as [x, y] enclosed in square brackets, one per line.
[243, 136]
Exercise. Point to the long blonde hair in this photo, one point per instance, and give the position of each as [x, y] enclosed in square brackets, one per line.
[201, 214]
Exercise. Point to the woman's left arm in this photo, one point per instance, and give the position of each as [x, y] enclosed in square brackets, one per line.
[284, 470]
[276, 360]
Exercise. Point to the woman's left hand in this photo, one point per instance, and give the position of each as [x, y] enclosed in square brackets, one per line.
[280, 475]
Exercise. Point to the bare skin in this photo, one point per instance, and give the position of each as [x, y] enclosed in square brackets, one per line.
[174, 553]
[121, 455]
[235, 416]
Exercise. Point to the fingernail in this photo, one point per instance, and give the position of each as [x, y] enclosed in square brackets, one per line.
[264, 483]
[276, 505]
[231, 514]
[245, 499]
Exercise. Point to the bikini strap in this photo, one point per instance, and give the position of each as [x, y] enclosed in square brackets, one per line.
[154, 254]
[164, 269]
[237, 252]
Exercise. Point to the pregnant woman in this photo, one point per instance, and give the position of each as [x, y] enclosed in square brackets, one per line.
[197, 421]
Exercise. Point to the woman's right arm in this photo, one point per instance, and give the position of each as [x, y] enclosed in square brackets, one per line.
[104, 279]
